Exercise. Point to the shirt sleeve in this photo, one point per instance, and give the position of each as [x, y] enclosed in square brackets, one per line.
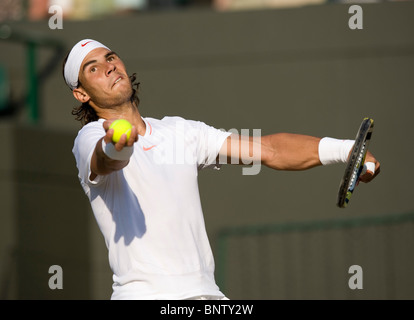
[210, 141]
[83, 149]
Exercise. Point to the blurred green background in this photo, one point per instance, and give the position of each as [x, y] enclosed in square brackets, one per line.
[277, 68]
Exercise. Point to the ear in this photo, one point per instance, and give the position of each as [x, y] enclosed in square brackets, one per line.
[81, 95]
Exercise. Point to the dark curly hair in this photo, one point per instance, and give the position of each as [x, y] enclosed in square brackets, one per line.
[85, 113]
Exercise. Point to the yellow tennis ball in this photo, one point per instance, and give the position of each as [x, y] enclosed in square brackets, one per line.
[120, 126]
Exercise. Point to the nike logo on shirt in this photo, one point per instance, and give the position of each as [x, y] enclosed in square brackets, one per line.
[147, 149]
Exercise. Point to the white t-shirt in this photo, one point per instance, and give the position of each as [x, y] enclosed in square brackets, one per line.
[150, 212]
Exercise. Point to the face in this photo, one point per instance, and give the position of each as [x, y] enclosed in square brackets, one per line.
[104, 80]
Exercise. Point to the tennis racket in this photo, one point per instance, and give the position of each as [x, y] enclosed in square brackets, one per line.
[355, 163]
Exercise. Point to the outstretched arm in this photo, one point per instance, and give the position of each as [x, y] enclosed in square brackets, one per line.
[280, 151]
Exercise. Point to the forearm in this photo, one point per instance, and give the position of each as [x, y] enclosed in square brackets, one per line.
[287, 151]
[101, 164]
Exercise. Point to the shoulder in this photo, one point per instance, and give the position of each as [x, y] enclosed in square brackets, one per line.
[91, 127]
[179, 124]
[89, 134]
[168, 122]
[180, 121]
[173, 120]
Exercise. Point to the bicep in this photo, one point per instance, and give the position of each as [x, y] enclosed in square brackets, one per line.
[239, 149]
[281, 151]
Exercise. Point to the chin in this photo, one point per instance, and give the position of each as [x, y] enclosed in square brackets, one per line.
[123, 88]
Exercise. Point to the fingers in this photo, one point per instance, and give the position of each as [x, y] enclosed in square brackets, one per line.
[373, 168]
[109, 132]
[368, 166]
[123, 140]
[367, 177]
[107, 124]
[108, 135]
[133, 137]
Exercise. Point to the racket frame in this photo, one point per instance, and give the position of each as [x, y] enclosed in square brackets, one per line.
[355, 163]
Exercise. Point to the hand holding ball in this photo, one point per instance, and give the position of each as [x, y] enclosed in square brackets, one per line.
[115, 151]
[120, 126]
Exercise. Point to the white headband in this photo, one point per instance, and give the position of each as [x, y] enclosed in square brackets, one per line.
[75, 59]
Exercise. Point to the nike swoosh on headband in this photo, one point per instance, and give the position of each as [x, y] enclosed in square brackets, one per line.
[84, 44]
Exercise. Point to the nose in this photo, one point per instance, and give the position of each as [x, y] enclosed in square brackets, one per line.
[109, 68]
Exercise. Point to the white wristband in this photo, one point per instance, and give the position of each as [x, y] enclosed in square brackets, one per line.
[334, 150]
[111, 152]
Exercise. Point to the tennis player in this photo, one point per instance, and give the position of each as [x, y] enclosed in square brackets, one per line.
[144, 191]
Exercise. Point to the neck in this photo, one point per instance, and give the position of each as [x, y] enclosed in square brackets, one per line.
[127, 111]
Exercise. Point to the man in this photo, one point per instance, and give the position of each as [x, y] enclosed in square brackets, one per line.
[144, 192]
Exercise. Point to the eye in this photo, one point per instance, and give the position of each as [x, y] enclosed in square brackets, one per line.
[93, 69]
[111, 58]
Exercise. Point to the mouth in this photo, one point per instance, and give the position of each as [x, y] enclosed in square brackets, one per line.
[117, 80]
